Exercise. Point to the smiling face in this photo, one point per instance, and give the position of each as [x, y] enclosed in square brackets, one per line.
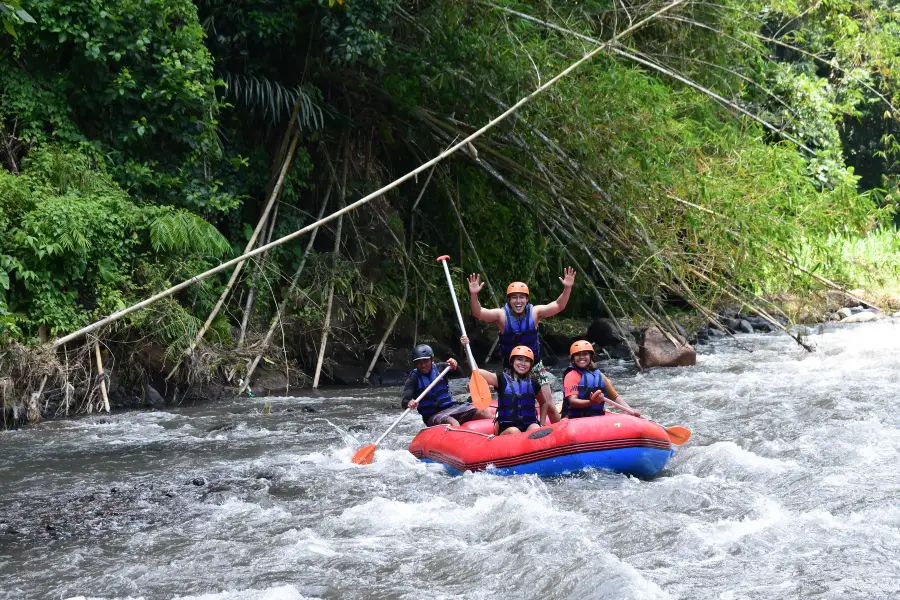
[582, 360]
[517, 303]
[521, 365]
[424, 365]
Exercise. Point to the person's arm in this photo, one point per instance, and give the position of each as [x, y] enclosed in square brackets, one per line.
[409, 391]
[613, 395]
[491, 378]
[489, 315]
[542, 400]
[544, 311]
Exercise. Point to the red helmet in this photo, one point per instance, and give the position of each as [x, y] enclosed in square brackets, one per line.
[581, 346]
[517, 287]
[522, 351]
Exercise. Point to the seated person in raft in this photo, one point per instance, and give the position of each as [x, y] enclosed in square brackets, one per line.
[517, 390]
[585, 388]
[438, 407]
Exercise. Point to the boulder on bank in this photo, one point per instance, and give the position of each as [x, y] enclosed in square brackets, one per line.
[658, 351]
[862, 317]
[606, 335]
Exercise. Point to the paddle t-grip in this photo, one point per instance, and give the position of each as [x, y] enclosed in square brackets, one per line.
[443, 258]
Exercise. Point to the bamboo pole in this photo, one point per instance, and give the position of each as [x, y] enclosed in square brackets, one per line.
[100, 376]
[390, 327]
[237, 269]
[251, 295]
[288, 296]
[337, 250]
[377, 193]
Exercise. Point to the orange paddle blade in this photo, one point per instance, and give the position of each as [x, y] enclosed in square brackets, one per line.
[481, 393]
[365, 455]
[678, 435]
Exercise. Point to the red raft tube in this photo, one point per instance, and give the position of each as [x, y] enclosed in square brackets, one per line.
[613, 442]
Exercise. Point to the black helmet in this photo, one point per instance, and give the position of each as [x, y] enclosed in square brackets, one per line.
[422, 351]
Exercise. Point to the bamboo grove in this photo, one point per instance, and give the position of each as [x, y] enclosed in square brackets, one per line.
[711, 156]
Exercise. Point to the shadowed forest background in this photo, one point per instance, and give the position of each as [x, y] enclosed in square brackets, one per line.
[726, 152]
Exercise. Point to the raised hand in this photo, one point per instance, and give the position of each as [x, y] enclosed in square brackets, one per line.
[475, 283]
[568, 278]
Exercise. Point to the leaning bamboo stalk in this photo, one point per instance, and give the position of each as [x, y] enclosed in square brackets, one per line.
[100, 376]
[237, 269]
[337, 250]
[753, 308]
[251, 294]
[377, 193]
[288, 296]
[622, 333]
[390, 327]
[665, 71]
[481, 268]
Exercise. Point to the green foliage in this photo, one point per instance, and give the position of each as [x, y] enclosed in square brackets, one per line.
[12, 15]
[181, 231]
[73, 238]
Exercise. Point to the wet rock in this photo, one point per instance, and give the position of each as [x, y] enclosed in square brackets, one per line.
[198, 481]
[744, 326]
[555, 343]
[658, 351]
[153, 398]
[854, 310]
[222, 427]
[832, 317]
[844, 313]
[550, 360]
[862, 317]
[308, 409]
[603, 333]
[715, 332]
[356, 428]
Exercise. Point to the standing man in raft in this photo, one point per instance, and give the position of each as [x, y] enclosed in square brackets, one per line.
[518, 321]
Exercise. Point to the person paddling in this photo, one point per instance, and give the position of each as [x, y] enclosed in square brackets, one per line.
[438, 406]
[518, 321]
[518, 388]
[585, 388]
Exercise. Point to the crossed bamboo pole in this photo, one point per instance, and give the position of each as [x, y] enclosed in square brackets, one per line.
[377, 193]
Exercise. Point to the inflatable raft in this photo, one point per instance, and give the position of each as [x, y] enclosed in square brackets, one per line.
[614, 442]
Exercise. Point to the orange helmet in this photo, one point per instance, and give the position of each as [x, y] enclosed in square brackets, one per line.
[522, 351]
[581, 346]
[517, 287]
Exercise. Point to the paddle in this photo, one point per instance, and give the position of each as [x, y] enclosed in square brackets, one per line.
[678, 435]
[478, 387]
[366, 454]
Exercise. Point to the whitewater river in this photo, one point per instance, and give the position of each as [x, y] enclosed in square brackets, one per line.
[789, 488]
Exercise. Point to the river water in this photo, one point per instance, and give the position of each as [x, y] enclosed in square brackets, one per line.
[788, 489]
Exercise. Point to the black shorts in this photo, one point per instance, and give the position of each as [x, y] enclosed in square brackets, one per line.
[519, 426]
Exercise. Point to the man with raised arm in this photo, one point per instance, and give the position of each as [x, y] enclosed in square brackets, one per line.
[518, 321]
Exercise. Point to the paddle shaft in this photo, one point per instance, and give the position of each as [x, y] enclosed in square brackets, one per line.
[419, 399]
[443, 261]
[619, 406]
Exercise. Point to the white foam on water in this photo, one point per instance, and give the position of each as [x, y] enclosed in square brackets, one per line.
[283, 592]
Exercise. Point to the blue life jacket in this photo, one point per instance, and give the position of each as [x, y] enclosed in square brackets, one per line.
[520, 331]
[515, 403]
[437, 399]
[591, 381]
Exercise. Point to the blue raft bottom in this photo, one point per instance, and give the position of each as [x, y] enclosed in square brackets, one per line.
[639, 462]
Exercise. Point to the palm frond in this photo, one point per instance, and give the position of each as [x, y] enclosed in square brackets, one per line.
[275, 100]
[183, 231]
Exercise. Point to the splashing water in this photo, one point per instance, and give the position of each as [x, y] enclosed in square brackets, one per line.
[786, 490]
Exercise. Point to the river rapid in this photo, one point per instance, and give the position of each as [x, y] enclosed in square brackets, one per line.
[788, 489]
